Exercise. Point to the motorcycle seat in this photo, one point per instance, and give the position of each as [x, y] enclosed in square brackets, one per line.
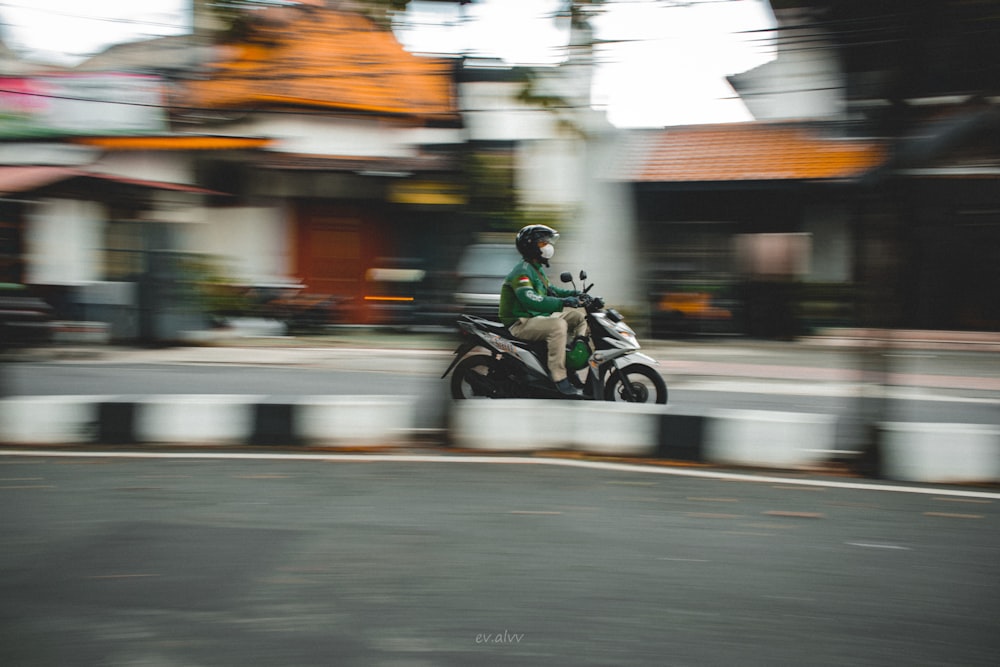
[540, 348]
[490, 325]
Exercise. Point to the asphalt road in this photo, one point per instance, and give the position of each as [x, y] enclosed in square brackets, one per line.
[181, 561]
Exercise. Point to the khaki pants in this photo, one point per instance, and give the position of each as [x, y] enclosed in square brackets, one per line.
[555, 330]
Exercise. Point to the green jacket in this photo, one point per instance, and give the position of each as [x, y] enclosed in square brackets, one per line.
[527, 292]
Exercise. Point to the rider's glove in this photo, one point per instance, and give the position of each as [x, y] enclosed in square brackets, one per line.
[597, 302]
[570, 302]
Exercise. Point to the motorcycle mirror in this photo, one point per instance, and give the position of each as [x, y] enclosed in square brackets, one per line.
[566, 277]
[583, 276]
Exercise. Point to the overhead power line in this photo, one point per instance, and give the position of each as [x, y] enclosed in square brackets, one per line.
[90, 17]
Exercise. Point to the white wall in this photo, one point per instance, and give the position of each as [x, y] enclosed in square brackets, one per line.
[253, 242]
[806, 81]
[493, 113]
[603, 228]
[164, 166]
[550, 173]
[64, 241]
[331, 136]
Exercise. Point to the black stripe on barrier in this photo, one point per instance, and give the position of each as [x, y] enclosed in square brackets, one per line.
[681, 437]
[116, 423]
[274, 425]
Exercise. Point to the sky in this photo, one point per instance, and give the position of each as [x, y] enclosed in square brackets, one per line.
[664, 65]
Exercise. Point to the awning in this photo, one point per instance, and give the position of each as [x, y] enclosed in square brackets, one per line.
[152, 185]
[174, 143]
[372, 166]
[26, 179]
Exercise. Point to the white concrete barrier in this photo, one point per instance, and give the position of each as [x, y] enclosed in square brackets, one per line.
[617, 429]
[769, 439]
[940, 453]
[210, 419]
[217, 419]
[47, 420]
[512, 425]
[516, 425]
[338, 421]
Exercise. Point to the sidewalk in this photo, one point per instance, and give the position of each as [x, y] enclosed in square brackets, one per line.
[938, 360]
[933, 363]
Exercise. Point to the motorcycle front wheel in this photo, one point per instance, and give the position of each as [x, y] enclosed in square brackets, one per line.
[635, 384]
[473, 377]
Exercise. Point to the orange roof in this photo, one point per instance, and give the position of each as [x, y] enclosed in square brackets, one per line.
[748, 152]
[319, 57]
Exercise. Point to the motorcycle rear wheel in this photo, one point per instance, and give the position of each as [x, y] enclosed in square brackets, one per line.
[472, 377]
[647, 386]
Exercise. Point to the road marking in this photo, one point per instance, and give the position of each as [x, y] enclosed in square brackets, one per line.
[701, 473]
[615, 481]
[953, 515]
[868, 545]
[966, 500]
[264, 476]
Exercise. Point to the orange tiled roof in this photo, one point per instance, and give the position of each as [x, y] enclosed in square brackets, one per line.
[319, 57]
[748, 152]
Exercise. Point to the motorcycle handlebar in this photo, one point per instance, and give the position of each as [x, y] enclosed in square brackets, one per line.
[591, 303]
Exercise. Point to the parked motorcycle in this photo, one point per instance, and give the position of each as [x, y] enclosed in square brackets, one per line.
[491, 363]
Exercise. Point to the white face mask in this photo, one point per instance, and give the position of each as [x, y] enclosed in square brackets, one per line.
[548, 250]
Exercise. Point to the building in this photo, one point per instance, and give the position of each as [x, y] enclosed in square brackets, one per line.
[876, 142]
[309, 151]
[313, 152]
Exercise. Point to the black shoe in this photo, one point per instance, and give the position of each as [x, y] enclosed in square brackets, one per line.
[566, 389]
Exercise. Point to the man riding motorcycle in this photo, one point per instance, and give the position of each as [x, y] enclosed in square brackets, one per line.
[533, 309]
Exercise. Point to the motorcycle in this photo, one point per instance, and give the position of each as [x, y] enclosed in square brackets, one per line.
[503, 366]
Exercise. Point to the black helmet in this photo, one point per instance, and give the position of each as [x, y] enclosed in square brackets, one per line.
[527, 240]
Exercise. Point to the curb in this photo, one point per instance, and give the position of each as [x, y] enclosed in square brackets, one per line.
[226, 420]
[730, 437]
[908, 452]
[943, 453]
